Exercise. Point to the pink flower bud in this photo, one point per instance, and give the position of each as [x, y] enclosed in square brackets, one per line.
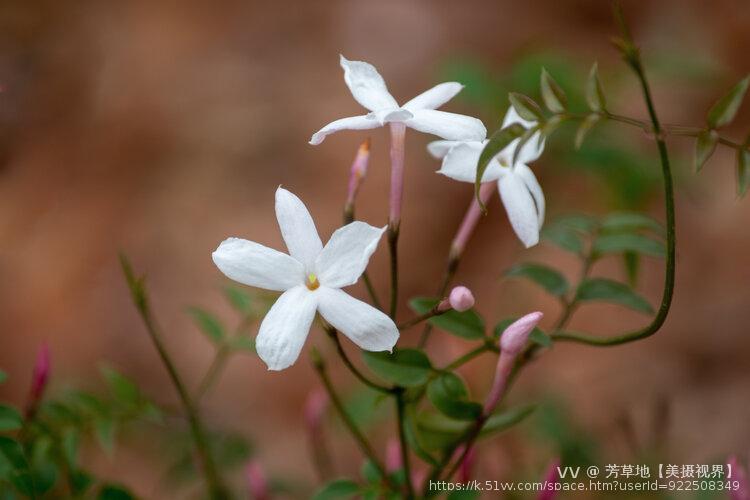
[358, 171]
[461, 299]
[39, 379]
[256, 480]
[393, 456]
[315, 408]
[515, 336]
[467, 466]
[551, 478]
[739, 475]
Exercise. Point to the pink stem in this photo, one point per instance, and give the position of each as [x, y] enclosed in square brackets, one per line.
[470, 221]
[358, 171]
[398, 134]
[504, 367]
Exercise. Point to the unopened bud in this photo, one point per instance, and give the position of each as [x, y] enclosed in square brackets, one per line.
[551, 478]
[315, 407]
[738, 476]
[393, 456]
[358, 171]
[256, 480]
[516, 335]
[39, 378]
[461, 299]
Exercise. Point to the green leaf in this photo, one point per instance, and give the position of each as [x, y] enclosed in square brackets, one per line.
[553, 96]
[631, 261]
[340, 488]
[242, 343]
[467, 324]
[580, 222]
[504, 420]
[627, 242]
[526, 137]
[238, 298]
[583, 130]
[406, 367]
[544, 276]
[723, 112]
[498, 141]
[537, 335]
[619, 222]
[114, 492]
[705, 145]
[10, 418]
[414, 438]
[124, 389]
[594, 92]
[564, 237]
[551, 125]
[463, 495]
[369, 472]
[526, 107]
[3, 376]
[209, 324]
[13, 452]
[602, 289]
[70, 443]
[743, 171]
[104, 428]
[449, 395]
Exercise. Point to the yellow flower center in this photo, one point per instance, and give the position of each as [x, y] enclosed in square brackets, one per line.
[312, 282]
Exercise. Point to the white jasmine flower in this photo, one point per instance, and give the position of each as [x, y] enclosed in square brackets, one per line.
[311, 277]
[519, 190]
[369, 89]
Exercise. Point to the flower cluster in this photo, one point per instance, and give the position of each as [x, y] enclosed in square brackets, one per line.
[311, 276]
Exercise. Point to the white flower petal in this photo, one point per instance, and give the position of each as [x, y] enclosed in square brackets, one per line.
[366, 326]
[363, 122]
[390, 115]
[450, 126]
[253, 264]
[461, 163]
[284, 329]
[297, 228]
[435, 97]
[536, 190]
[366, 85]
[534, 147]
[438, 149]
[345, 256]
[520, 207]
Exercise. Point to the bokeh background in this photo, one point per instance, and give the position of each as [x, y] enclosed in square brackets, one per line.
[160, 128]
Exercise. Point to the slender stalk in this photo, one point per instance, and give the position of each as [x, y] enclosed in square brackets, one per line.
[213, 372]
[422, 317]
[334, 335]
[216, 489]
[486, 347]
[398, 133]
[362, 442]
[400, 416]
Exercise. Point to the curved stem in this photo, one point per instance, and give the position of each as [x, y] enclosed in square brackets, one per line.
[334, 335]
[422, 317]
[364, 445]
[217, 490]
[402, 442]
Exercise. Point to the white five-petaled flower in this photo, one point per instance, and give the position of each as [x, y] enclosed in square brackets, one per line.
[519, 190]
[311, 278]
[420, 113]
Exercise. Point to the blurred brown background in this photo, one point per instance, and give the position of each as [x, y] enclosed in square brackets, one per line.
[161, 128]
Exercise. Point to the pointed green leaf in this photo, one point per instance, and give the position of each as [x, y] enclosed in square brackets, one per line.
[553, 96]
[209, 324]
[526, 107]
[602, 289]
[631, 261]
[114, 492]
[594, 92]
[564, 237]
[498, 141]
[526, 137]
[414, 438]
[3, 376]
[705, 145]
[467, 324]
[723, 112]
[580, 222]
[583, 130]
[242, 343]
[406, 367]
[10, 418]
[627, 242]
[544, 276]
[238, 298]
[124, 389]
[449, 395]
[743, 171]
[620, 222]
[336, 490]
[551, 125]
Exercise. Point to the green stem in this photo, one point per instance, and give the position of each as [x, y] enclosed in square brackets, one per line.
[450, 272]
[402, 442]
[486, 347]
[362, 442]
[334, 335]
[393, 230]
[217, 490]
[422, 317]
[213, 372]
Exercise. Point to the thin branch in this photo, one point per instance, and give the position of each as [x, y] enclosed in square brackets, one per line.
[334, 335]
[400, 416]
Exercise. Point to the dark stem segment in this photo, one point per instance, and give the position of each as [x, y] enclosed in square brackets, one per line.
[364, 446]
[400, 415]
[422, 317]
[216, 489]
[334, 335]
[393, 231]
